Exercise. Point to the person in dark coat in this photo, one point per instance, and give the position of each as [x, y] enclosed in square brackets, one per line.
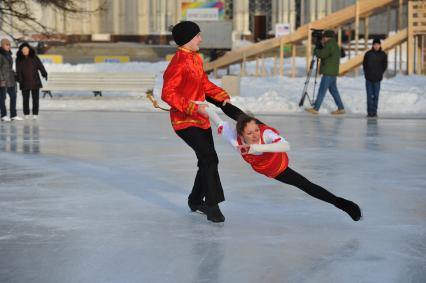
[7, 82]
[28, 66]
[375, 64]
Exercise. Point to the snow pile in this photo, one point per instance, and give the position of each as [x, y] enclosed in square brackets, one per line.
[273, 94]
[400, 95]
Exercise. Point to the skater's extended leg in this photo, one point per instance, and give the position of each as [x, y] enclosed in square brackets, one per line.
[293, 178]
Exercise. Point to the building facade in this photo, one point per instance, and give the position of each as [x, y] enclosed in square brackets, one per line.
[149, 20]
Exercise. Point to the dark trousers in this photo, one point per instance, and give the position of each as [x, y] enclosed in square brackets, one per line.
[12, 103]
[293, 178]
[373, 90]
[26, 100]
[328, 83]
[207, 183]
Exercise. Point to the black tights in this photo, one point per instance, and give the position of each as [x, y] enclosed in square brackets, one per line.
[291, 177]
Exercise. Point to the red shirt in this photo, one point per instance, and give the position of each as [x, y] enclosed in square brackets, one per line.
[270, 164]
[184, 82]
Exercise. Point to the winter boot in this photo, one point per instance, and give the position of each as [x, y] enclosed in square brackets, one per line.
[338, 112]
[312, 111]
[349, 207]
[214, 214]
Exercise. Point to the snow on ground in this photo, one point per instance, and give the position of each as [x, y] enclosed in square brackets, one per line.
[405, 95]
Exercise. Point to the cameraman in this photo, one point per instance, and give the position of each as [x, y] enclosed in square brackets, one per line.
[330, 60]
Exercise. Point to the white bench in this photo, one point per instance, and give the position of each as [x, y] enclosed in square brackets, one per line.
[97, 82]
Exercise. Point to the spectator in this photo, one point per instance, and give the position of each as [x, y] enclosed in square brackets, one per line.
[375, 64]
[27, 67]
[330, 60]
[7, 82]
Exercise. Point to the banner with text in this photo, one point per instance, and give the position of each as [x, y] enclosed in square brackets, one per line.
[202, 11]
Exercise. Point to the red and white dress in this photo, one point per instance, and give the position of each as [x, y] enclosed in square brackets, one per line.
[270, 164]
[269, 157]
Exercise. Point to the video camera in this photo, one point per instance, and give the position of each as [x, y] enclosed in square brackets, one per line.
[317, 35]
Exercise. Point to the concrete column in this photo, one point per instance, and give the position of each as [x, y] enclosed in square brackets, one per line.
[85, 22]
[143, 17]
[162, 16]
[170, 15]
[107, 18]
[285, 17]
[246, 29]
[94, 17]
[275, 11]
[238, 18]
[292, 19]
[154, 16]
[130, 19]
[322, 8]
[116, 16]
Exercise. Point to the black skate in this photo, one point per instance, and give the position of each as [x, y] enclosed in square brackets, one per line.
[350, 208]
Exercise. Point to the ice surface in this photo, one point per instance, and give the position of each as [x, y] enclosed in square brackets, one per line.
[101, 197]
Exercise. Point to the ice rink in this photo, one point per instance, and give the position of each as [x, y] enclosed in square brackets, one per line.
[101, 197]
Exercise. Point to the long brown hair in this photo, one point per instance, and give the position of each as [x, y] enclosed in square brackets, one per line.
[242, 122]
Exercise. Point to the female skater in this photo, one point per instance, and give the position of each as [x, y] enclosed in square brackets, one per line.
[265, 150]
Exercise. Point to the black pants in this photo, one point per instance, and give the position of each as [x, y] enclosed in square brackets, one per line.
[26, 99]
[293, 178]
[12, 101]
[207, 183]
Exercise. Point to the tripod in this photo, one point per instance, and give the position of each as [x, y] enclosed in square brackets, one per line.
[314, 61]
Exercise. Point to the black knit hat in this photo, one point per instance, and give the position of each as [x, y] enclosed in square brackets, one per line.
[184, 32]
[377, 40]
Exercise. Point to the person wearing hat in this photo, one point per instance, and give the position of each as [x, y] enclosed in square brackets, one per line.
[7, 82]
[28, 66]
[330, 60]
[186, 87]
[374, 64]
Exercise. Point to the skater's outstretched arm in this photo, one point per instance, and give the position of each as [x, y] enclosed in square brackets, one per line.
[273, 143]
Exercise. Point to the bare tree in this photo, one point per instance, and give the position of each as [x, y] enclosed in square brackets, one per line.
[12, 10]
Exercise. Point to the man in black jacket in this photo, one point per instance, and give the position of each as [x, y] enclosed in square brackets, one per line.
[374, 64]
